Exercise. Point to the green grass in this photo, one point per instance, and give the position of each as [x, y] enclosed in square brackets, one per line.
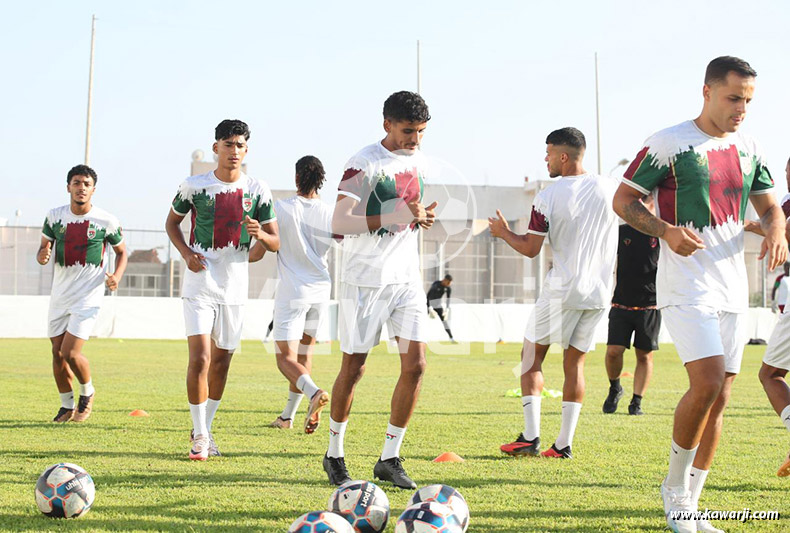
[268, 477]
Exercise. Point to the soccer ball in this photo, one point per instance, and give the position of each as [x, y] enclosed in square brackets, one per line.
[65, 491]
[363, 504]
[320, 522]
[428, 517]
[446, 495]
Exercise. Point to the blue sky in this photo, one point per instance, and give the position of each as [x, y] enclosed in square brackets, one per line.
[310, 78]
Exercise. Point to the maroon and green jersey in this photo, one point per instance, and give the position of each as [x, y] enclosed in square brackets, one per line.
[78, 243]
[382, 182]
[702, 183]
[218, 210]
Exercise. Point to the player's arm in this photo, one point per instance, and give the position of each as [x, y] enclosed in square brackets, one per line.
[195, 262]
[345, 222]
[121, 259]
[628, 205]
[257, 252]
[268, 234]
[528, 244]
[772, 222]
[44, 251]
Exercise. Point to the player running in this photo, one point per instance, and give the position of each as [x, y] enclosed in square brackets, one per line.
[701, 173]
[575, 214]
[439, 289]
[79, 231]
[379, 210]
[228, 210]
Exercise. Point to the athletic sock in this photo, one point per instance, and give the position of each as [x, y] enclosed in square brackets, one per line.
[211, 410]
[292, 405]
[696, 481]
[392, 441]
[67, 400]
[614, 383]
[636, 400]
[305, 384]
[786, 417]
[680, 460]
[449, 333]
[570, 417]
[531, 406]
[86, 389]
[198, 412]
[337, 432]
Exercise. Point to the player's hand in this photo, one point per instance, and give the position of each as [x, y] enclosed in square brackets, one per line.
[254, 228]
[430, 216]
[683, 241]
[498, 226]
[775, 246]
[44, 254]
[195, 262]
[111, 281]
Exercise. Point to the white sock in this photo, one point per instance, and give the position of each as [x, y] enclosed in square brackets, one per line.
[680, 460]
[292, 405]
[198, 413]
[570, 417]
[392, 441]
[306, 385]
[696, 481]
[531, 406]
[67, 400]
[87, 389]
[211, 410]
[785, 416]
[337, 432]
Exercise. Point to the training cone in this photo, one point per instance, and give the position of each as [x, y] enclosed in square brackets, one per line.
[626, 375]
[138, 412]
[449, 457]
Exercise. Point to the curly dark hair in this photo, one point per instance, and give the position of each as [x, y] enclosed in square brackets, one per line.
[721, 66]
[82, 170]
[406, 106]
[570, 137]
[310, 174]
[230, 128]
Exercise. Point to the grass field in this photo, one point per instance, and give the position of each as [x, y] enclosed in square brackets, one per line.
[268, 477]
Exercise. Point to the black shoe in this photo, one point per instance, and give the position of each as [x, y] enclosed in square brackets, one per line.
[392, 470]
[635, 409]
[522, 446]
[610, 404]
[335, 468]
[553, 452]
[64, 415]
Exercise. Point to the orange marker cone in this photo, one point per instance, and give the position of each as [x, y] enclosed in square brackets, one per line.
[138, 412]
[449, 457]
[626, 375]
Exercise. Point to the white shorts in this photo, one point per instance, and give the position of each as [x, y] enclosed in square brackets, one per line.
[78, 321]
[777, 354]
[222, 322]
[550, 323]
[699, 331]
[364, 310]
[292, 319]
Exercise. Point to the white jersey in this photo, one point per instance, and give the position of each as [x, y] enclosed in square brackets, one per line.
[78, 250]
[382, 182]
[218, 210]
[305, 240]
[575, 214]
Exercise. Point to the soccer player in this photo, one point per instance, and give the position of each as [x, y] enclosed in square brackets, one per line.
[301, 302]
[701, 173]
[79, 231]
[633, 312]
[379, 210]
[228, 209]
[440, 288]
[575, 214]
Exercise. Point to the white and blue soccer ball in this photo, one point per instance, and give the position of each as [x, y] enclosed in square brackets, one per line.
[428, 517]
[65, 490]
[320, 522]
[446, 495]
[362, 504]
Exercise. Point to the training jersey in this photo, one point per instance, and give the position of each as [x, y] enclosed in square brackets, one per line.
[436, 292]
[78, 250]
[575, 214]
[637, 262]
[702, 183]
[305, 240]
[217, 232]
[382, 182]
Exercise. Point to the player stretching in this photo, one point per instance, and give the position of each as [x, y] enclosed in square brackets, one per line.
[79, 231]
[228, 210]
[701, 173]
[440, 288]
[575, 214]
[301, 303]
[379, 208]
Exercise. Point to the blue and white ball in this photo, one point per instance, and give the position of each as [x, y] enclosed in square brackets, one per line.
[428, 517]
[320, 522]
[446, 495]
[363, 504]
[65, 490]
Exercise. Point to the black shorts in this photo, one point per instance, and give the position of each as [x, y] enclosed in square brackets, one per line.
[644, 324]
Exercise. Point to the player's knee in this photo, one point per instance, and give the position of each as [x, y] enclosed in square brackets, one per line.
[643, 357]
[415, 368]
[767, 374]
[199, 362]
[709, 387]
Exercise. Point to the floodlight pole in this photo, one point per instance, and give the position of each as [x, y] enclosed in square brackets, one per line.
[597, 114]
[90, 93]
